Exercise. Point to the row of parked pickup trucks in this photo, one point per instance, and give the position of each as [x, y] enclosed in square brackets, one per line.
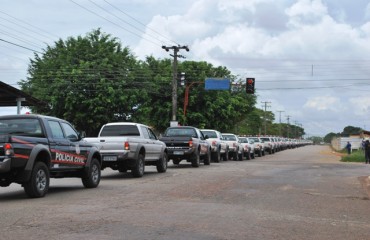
[34, 148]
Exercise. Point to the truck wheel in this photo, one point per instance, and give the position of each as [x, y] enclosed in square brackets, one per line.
[216, 156]
[38, 185]
[253, 156]
[248, 156]
[92, 179]
[240, 156]
[138, 170]
[226, 155]
[195, 160]
[260, 153]
[235, 156]
[162, 163]
[207, 158]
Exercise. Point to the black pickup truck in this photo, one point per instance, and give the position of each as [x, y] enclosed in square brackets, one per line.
[187, 143]
[34, 148]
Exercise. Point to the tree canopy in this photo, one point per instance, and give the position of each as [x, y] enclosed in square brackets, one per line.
[91, 80]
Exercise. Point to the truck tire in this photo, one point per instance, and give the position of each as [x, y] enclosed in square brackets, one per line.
[92, 179]
[38, 185]
[248, 156]
[195, 161]
[235, 156]
[241, 156]
[253, 156]
[139, 168]
[216, 156]
[260, 153]
[226, 155]
[207, 158]
[162, 164]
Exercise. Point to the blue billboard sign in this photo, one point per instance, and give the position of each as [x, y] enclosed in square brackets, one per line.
[217, 84]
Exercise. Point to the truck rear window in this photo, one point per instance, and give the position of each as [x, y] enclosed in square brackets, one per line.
[21, 126]
[182, 132]
[119, 130]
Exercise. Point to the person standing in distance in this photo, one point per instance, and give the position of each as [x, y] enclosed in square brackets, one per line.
[367, 152]
[348, 147]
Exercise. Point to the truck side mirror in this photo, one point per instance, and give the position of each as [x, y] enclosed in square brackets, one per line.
[81, 134]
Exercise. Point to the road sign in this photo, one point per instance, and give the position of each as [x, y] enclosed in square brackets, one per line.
[217, 84]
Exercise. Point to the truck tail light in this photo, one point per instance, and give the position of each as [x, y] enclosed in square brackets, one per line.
[126, 145]
[8, 149]
[190, 143]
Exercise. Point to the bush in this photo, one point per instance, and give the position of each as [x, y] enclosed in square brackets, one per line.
[355, 156]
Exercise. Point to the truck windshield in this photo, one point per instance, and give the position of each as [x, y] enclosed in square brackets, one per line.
[21, 126]
[119, 130]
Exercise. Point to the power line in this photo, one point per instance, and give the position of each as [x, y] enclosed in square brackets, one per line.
[141, 23]
[28, 25]
[20, 46]
[96, 14]
[133, 26]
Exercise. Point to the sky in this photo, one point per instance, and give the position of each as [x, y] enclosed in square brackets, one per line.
[310, 58]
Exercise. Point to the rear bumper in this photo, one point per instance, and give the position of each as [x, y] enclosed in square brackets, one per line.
[5, 165]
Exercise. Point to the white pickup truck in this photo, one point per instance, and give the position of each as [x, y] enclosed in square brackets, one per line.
[130, 146]
[219, 148]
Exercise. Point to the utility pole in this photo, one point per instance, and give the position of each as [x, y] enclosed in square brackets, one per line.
[175, 55]
[296, 129]
[280, 121]
[288, 117]
[264, 114]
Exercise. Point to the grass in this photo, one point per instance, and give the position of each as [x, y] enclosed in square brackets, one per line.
[355, 156]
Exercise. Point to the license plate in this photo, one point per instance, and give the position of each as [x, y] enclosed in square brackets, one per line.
[110, 158]
[178, 153]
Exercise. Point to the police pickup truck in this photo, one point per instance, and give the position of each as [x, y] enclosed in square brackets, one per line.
[130, 146]
[187, 143]
[34, 148]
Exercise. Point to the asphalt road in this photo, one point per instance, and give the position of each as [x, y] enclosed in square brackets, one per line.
[303, 193]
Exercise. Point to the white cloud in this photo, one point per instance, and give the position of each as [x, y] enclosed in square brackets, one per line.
[324, 103]
[306, 12]
[360, 105]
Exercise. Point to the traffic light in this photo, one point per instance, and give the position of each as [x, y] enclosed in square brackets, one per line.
[181, 78]
[250, 86]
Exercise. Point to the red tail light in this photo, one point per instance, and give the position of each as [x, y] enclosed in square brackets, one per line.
[190, 143]
[8, 146]
[8, 149]
[126, 146]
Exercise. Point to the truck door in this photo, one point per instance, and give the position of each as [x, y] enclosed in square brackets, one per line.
[148, 143]
[61, 148]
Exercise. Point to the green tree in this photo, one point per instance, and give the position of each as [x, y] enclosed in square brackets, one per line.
[221, 110]
[328, 137]
[87, 80]
[316, 139]
[350, 130]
